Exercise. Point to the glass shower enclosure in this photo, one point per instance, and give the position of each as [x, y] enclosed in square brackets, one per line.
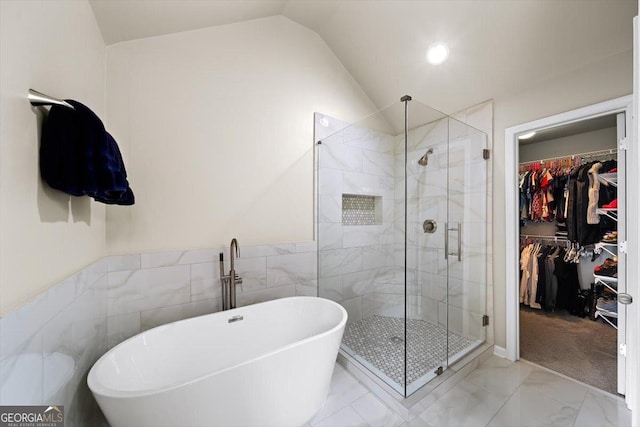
[401, 227]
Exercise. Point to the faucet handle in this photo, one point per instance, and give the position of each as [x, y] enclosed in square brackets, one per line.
[238, 281]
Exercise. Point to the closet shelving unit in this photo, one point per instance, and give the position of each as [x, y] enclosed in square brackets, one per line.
[574, 160]
[610, 212]
[610, 283]
[609, 178]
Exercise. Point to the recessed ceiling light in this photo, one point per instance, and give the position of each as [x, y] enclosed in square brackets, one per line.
[526, 135]
[324, 122]
[437, 53]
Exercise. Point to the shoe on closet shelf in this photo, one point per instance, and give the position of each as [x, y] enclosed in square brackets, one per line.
[609, 268]
[606, 272]
[609, 262]
[612, 205]
[611, 237]
[608, 304]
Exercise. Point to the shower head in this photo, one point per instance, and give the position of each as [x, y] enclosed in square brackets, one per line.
[424, 160]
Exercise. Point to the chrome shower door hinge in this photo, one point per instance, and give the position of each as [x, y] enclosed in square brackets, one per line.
[486, 154]
[485, 320]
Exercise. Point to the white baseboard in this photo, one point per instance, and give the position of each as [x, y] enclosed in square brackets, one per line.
[500, 351]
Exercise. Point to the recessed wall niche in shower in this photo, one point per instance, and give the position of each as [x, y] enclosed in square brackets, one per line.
[415, 300]
[361, 209]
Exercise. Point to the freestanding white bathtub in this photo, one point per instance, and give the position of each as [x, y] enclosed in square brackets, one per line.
[272, 368]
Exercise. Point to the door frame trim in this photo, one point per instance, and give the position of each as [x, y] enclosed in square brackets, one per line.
[512, 229]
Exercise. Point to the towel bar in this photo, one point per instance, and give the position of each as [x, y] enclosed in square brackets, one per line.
[36, 99]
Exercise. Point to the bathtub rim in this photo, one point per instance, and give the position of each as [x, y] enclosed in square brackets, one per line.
[104, 391]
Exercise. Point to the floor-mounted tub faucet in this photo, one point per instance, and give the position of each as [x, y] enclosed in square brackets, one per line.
[229, 281]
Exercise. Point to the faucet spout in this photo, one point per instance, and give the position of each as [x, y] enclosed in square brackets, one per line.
[234, 243]
[233, 278]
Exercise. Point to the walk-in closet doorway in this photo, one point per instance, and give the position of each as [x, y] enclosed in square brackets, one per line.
[618, 110]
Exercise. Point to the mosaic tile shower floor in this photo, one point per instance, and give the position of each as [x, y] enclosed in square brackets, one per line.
[380, 341]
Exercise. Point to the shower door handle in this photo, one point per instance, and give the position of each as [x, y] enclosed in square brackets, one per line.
[459, 241]
[458, 228]
[446, 240]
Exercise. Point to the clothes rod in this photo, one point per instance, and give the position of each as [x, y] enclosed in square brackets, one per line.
[533, 236]
[598, 153]
[573, 156]
[37, 99]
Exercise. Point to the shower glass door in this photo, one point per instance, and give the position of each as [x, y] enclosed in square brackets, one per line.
[466, 240]
[448, 231]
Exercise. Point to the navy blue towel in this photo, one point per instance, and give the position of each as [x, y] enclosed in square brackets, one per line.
[79, 157]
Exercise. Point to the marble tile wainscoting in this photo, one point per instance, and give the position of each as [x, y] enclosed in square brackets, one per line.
[148, 290]
[48, 346]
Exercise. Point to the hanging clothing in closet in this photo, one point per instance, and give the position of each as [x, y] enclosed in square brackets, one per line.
[541, 192]
[570, 196]
[584, 225]
[549, 278]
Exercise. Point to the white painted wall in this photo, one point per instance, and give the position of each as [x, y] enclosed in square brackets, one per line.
[585, 142]
[603, 80]
[45, 235]
[216, 128]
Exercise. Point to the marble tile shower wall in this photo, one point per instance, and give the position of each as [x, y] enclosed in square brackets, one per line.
[355, 263]
[148, 290]
[49, 344]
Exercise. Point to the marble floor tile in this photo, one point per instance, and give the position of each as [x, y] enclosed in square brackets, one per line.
[344, 390]
[530, 407]
[500, 375]
[345, 417]
[497, 393]
[376, 413]
[416, 422]
[464, 405]
[556, 387]
[600, 411]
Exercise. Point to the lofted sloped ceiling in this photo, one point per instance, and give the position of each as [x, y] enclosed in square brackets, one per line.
[122, 20]
[497, 47]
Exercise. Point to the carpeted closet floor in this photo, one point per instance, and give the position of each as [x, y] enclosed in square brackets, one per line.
[578, 348]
